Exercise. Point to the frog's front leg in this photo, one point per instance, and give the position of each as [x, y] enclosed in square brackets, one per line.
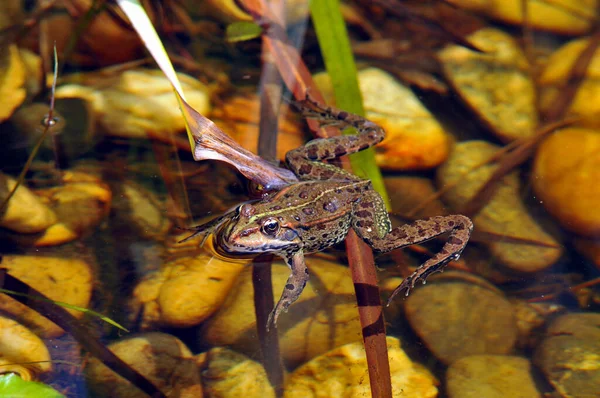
[371, 223]
[293, 287]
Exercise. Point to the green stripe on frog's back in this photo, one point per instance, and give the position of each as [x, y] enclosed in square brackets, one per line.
[338, 189]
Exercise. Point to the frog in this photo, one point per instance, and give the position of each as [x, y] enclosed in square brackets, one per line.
[318, 210]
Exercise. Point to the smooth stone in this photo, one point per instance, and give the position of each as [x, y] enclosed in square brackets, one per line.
[456, 320]
[556, 74]
[26, 212]
[141, 209]
[491, 376]
[574, 18]
[68, 280]
[504, 214]
[163, 359]
[415, 140]
[531, 320]
[185, 291]
[566, 171]
[494, 84]
[80, 204]
[324, 317]
[12, 80]
[226, 373]
[21, 351]
[409, 193]
[569, 356]
[137, 102]
[343, 372]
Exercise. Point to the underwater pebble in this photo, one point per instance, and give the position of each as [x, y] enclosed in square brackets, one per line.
[26, 212]
[569, 356]
[163, 359]
[584, 106]
[494, 84]
[324, 317]
[81, 202]
[21, 351]
[226, 373]
[491, 376]
[407, 193]
[504, 214]
[563, 17]
[63, 279]
[531, 320]
[185, 291]
[566, 171]
[414, 138]
[137, 102]
[456, 320]
[343, 372]
[12, 80]
[142, 209]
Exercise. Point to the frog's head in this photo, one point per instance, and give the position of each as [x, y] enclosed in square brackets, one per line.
[252, 231]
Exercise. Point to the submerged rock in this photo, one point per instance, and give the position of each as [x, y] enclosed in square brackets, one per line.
[21, 351]
[68, 280]
[343, 372]
[491, 376]
[324, 317]
[25, 212]
[414, 138]
[163, 359]
[456, 320]
[495, 84]
[569, 356]
[504, 214]
[565, 176]
[226, 373]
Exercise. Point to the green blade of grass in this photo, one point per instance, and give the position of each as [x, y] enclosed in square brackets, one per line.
[339, 62]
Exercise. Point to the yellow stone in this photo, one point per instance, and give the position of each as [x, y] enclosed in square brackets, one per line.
[565, 177]
[324, 317]
[186, 290]
[560, 16]
[343, 372]
[495, 84]
[414, 138]
[136, 102]
[21, 351]
[585, 105]
[504, 214]
[63, 279]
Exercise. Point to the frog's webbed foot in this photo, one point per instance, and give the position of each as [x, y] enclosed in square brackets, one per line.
[293, 287]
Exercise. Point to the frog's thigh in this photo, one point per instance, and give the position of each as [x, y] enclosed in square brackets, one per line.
[370, 219]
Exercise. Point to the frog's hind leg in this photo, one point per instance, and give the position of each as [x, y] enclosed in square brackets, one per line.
[371, 223]
[293, 287]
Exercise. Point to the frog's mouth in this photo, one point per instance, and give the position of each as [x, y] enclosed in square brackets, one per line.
[252, 241]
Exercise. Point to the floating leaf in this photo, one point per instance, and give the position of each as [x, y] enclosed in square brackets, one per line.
[242, 31]
[11, 385]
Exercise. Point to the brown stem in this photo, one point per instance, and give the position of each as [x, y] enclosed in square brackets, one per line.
[298, 79]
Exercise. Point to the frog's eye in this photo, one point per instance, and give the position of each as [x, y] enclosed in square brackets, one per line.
[270, 226]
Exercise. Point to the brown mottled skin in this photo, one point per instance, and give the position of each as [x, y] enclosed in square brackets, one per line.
[318, 211]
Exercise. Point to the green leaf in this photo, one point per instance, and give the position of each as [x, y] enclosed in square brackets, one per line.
[339, 62]
[11, 385]
[242, 31]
